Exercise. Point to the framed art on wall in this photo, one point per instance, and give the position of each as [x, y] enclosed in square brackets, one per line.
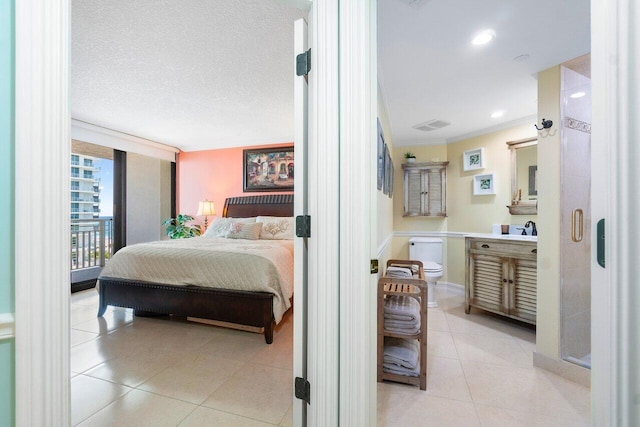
[268, 169]
[473, 159]
[385, 168]
[380, 157]
[484, 184]
[391, 179]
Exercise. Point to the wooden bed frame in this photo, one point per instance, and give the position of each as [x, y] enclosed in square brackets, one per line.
[232, 306]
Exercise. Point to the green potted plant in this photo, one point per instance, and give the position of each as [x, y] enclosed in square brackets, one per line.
[177, 228]
[410, 157]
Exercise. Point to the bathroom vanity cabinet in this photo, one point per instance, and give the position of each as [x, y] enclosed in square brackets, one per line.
[501, 277]
[425, 189]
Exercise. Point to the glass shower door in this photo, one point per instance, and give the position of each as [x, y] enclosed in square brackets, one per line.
[575, 237]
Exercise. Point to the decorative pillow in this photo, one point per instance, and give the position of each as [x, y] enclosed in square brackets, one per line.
[242, 230]
[220, 226]
[276, 227]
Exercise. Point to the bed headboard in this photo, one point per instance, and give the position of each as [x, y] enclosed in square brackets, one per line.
[267, 204]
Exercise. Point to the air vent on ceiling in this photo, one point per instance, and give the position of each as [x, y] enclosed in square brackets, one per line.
[431, 125]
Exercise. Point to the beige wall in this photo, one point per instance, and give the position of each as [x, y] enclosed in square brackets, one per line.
[548, 319]
[385, 204]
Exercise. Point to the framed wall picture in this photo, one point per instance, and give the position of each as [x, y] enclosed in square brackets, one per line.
[391, 180]
[484, 184]
[380, 157]
[387, 170]
[268, 169]
[473, 159]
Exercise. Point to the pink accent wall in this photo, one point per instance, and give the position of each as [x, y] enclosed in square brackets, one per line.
[213, 175]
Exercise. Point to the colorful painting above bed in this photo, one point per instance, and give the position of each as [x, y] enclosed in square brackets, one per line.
[268, 169]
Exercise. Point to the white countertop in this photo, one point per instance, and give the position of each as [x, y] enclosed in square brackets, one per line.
[504, 236]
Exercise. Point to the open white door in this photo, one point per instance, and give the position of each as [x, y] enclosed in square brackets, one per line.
[301, 113]
[615, 370]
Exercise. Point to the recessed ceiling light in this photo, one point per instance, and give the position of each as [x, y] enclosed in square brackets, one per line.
[497, 114]
[577, 95]
[483, 37]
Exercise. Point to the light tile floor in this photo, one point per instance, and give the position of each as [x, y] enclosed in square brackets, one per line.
[480, 373]
[130, 371]
[137, 371]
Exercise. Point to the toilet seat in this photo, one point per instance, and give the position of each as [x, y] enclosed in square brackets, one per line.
[432, 267]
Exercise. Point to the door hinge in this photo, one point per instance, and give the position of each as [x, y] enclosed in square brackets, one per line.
[303, 226]
[303, 389]
[303, 63]
[374, 266]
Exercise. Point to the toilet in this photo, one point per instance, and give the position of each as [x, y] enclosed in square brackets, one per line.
[429, 251]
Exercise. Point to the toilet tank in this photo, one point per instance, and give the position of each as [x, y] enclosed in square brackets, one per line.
[425, 249]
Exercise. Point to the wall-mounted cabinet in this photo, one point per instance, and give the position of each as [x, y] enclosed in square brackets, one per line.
[425, 189]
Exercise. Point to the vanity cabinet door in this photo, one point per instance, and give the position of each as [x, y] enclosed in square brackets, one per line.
[487, 282]
[523, 293]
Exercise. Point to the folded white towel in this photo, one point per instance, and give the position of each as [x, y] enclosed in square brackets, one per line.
[399, 362]
[402, 305]
[389, 316]
[399, 272]
[402, 325]
[411, 323]
[406, 331]
[405, 352]
[392, 368]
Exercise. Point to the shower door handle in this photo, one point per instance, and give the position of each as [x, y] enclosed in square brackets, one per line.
[577, 221]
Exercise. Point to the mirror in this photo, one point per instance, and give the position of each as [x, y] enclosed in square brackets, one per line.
[524, 176]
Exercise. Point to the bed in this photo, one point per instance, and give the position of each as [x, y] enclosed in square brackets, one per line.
[230, 305]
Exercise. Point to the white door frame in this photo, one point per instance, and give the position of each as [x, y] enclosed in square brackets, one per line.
[615, 384]
[42, 244]
[42, 153]
[323, 198]
[358, 211]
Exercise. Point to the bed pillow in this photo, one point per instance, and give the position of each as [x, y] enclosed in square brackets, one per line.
[242, 230]
[276, 227]
[220, 226]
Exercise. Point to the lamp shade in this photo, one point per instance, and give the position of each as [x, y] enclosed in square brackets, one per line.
[205, 208]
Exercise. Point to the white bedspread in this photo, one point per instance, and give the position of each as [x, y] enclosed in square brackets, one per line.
[247, 265]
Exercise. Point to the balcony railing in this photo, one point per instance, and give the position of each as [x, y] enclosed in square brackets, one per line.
[91, 242]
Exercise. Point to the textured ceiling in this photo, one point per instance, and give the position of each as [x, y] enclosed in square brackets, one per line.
[428, 68]
[193, 74]
[219, 73]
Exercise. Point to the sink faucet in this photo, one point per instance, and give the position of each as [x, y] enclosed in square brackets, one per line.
[534, 230]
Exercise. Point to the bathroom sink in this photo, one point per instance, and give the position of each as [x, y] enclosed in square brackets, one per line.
[520, 237]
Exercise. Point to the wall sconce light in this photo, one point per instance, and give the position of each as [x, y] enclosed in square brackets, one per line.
[206, 208]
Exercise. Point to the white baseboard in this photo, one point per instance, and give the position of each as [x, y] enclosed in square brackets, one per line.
[567, 370]
[454, 287]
